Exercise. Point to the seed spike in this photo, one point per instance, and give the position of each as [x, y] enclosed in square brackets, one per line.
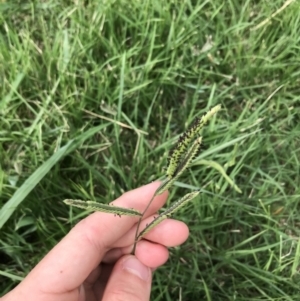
[182, 166]
[95, 206]
[185, 139]
[164, 215]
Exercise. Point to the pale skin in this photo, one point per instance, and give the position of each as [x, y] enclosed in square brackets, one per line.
[92, 262]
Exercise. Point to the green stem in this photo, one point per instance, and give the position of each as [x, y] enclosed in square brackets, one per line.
[139, 223]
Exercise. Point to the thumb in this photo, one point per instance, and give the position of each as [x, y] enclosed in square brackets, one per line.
[129, 280]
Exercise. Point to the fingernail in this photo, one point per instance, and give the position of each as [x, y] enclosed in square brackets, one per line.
[134, 266]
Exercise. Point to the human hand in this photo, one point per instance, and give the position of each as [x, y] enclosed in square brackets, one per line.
[90, 263]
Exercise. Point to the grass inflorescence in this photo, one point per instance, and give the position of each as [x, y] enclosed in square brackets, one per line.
[94, 95]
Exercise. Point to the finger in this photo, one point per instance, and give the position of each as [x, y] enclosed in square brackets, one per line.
[72, 260]
[169, 233]
[129, 280]
[150, 254]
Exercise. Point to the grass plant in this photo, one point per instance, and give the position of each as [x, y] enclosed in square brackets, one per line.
[95, 93]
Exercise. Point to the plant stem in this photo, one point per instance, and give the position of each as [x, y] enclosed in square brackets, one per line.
[139, 223]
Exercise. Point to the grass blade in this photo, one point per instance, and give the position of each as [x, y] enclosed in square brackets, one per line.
[11, 205]
[221, 170]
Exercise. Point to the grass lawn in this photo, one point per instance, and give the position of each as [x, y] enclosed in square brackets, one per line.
[94, 94]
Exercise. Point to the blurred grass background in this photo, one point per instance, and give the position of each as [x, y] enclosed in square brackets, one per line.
[101, 89]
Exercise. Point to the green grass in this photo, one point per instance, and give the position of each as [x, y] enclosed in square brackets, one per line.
[137, 71]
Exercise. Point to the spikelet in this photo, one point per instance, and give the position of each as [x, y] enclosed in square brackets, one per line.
[175, 156]
[95, 206]
[181, 167]
[180, 203]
